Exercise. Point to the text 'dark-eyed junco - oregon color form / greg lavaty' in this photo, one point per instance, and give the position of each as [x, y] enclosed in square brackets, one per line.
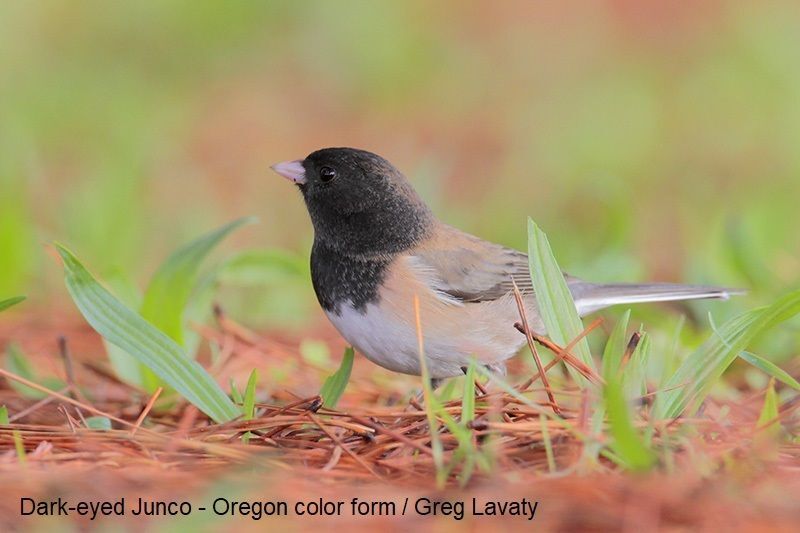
[377, 245]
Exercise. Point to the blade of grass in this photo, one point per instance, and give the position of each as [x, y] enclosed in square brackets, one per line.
[467, 454]
[249, 404]
[334, 386]
[18, 363]
[634, 375]
[427, 392]
[613, 354]
[554, 299]
[548, 444]
[199, 310]
[705, 365]
[127, 329]
[615, 348]
[468, 400]
[766, 366]
[627, 444]
[254, 267]
[236, 396]
[447, 392]
[125, 367]
[768, 425]
[171, 286]
[19, 445]
[167, 296]
[5, 304]
[770, 368]
[672, 359]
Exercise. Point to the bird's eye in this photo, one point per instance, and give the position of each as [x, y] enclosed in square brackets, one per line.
[326, 174]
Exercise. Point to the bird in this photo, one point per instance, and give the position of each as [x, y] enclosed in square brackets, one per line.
[378, 247]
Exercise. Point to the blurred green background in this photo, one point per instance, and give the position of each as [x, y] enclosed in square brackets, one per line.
[649, 141]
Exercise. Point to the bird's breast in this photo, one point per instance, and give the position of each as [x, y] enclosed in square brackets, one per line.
[339, 278]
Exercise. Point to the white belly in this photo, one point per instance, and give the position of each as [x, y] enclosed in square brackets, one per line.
[390, 341]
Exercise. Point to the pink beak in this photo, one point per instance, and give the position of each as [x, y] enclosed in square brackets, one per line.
[292, 171]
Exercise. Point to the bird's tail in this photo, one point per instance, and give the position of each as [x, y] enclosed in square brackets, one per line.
[590, 297]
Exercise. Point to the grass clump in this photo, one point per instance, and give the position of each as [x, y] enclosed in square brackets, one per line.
[128, 330]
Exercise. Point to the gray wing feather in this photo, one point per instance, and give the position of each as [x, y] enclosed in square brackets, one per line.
[470, 275]
[482, 271]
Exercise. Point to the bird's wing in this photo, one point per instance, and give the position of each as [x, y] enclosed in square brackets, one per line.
[463, 269]
[467, 269]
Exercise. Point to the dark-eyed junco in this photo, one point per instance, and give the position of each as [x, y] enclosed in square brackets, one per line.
[376, 245]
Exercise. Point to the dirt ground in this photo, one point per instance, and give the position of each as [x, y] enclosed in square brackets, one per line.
[365, 465]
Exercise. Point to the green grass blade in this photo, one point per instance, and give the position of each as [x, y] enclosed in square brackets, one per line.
[768, 423]
[548, 445]
[16, 435]
[627, 444]
[236, 396]
[5, 304]
[19, 364]
[169, 290]
[691, 382]
[634, 376]
[249, 403]
[467, 454]
[126, 368]
[447, 392]
[127, 329]
[770, 368]
[334, 386]
[468, 400]
[768, 427]
[615, 347]
[199, 310]
[611, 365]
[669, 360]
[167, 296]
[123, 287]
[437, 449]
[257, 267]
[556, 306]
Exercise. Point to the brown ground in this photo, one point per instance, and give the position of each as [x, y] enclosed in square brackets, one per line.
[367, 449]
